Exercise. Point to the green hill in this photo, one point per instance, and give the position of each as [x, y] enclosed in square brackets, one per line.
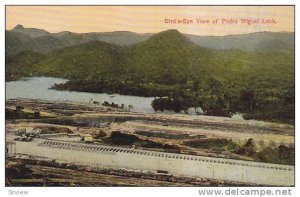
[21, 65]
[166, 58]
[16, 42]
[182, 74]
[86, 62]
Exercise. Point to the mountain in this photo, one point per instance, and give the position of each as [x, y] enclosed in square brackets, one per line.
[166, 57]
[117, 37]
[16, 42]
[31, 32]
[20, 38]
[159, 59]
[170, 66]
[86, 61]
[260, 41]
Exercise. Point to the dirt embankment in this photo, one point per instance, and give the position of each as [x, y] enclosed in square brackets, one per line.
[36, 172]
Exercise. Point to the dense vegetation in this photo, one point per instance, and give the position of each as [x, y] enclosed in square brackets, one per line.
[179, 73]
[269, 153]
[21, 65]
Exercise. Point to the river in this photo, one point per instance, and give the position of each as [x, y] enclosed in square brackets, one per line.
[38, 88]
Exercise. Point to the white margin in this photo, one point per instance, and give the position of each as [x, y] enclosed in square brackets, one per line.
[132, 191]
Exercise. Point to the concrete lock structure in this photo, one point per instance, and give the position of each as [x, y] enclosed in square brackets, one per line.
[171, 163]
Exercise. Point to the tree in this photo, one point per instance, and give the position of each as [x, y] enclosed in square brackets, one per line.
[130, 107]
[247, 99]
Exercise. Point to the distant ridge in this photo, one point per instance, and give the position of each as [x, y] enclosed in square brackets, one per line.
[31, 32]
[21, 38]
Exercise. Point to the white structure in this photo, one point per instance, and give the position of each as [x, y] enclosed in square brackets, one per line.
[10, 148]
[176, 164]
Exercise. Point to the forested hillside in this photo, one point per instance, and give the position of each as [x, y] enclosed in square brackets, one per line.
[175, 70]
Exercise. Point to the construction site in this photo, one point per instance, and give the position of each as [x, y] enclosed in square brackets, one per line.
[77, 144]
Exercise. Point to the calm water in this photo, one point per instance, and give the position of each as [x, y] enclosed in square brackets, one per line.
[38, 88]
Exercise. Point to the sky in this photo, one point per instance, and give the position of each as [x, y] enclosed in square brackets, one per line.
[152, 19]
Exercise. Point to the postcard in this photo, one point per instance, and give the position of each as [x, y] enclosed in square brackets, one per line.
[152, 96]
